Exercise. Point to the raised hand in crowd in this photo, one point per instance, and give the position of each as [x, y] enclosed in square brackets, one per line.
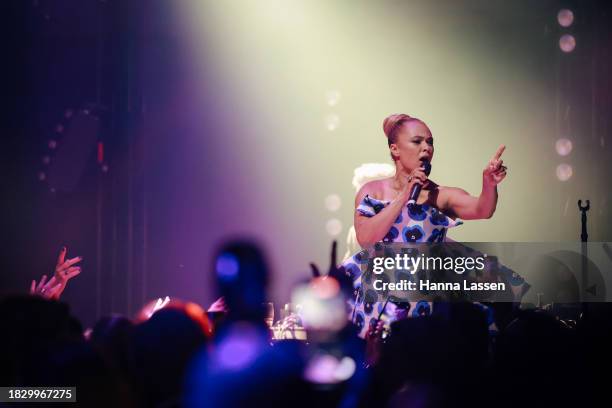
[218, 306]
[65, 270]
[47, 289]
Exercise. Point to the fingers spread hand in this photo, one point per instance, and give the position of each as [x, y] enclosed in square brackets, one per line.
[41, 283]
[54, 292]
[70, 262]
[72, 272]
[218, 305]
[50, 283]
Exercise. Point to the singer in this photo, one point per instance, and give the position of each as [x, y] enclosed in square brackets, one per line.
[381, 205]
[409, 207]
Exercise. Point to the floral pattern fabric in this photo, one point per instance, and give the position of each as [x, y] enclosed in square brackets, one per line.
[420, 223]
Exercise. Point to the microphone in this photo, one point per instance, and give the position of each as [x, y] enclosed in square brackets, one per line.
[416, 189]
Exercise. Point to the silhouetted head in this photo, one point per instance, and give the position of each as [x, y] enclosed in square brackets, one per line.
[160, 352]
[242, 274]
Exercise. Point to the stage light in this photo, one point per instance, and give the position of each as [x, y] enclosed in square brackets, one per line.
[565, 17]
[333, 227]
[564, 172]
[333, 97]
[59, 128]
[104, 168]
[52, 144]
[567, 43]
[46, 159]
[333, 202]
[563, 146]
[42, 176]
[68, 113]
[332, 122]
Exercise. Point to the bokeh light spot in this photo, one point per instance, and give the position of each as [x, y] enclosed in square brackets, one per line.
[332, 122]
[565, 17]
[567, 43]
[564, 172]
[333, 97]
[563, 146]
[333, 227]
[333, 202]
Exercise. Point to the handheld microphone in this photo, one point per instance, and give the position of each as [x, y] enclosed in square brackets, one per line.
[416, 189]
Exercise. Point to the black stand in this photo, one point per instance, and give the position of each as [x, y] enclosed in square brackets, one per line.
[584, 236]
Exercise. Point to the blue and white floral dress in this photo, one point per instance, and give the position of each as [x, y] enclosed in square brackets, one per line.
[419, 224]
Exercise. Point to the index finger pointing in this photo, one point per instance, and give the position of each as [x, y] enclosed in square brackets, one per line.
[499, 152]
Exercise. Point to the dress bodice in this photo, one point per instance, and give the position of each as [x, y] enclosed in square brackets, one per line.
[420, 223]
[414, 224]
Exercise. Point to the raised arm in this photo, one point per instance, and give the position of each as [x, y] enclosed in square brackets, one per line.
[468, 207]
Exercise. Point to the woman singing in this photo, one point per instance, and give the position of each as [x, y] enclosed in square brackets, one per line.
[382, 213]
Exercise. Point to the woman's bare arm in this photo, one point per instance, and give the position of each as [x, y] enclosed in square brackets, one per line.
[468, 207]
[370, 230]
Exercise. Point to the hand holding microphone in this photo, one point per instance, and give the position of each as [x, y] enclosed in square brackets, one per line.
[416, 180]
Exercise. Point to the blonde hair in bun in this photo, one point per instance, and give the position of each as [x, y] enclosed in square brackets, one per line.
[392, 123]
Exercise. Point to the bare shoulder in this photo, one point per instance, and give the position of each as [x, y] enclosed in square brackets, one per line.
[374, 189]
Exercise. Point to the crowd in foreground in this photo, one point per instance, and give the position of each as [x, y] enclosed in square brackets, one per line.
[175, 353]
